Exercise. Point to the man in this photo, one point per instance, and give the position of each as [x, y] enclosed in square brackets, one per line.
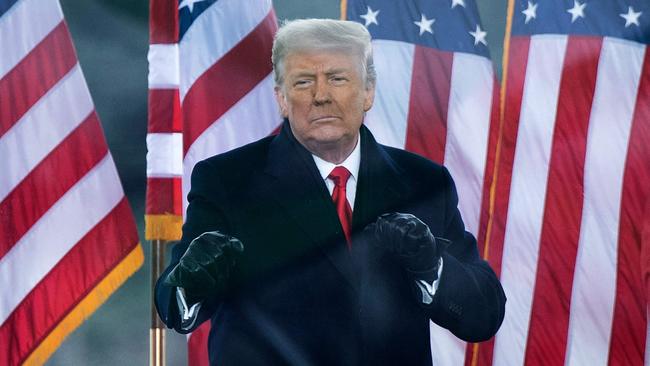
[319, 246]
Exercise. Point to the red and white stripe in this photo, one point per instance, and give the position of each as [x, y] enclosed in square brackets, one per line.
[226, 81]
[445, 116]
[226, 88]
[569, 203]
[65, 221]
[164, 135]
[572, 187]
[210, 92]
[442, 106]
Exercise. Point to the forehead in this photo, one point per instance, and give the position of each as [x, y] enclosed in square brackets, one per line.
[322, 61]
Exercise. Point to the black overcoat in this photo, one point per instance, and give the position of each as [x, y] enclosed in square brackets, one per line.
[298, 296]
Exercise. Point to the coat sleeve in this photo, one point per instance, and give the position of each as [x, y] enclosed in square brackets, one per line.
[204, 213]
[470, 301]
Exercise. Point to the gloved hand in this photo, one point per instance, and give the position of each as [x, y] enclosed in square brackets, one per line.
[410, 241]
[204, 269]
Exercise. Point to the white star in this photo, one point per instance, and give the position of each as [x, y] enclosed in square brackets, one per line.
[189, 4]
[370, 17]
[457, 2]
[631, 17]
[425, 24]
[479, 36]
[578, 10]
[530, 12]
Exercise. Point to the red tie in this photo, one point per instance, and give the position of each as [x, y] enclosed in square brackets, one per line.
[339, 176]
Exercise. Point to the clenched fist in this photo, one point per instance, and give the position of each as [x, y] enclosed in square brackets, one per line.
[410, 241]
[205, 267]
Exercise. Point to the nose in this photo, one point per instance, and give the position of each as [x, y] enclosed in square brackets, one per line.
[321, 93]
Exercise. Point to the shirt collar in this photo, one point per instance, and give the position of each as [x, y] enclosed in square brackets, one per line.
[351, 163]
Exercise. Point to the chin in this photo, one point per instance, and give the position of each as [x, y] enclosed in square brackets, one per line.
[330, 137]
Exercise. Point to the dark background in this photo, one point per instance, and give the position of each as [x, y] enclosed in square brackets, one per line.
[111, 38]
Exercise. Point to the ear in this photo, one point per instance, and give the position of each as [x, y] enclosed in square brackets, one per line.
[282, 102]
[369, 98]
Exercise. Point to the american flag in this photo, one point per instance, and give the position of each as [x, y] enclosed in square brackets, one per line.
[572, 185]
[67, 234]
[210, 90]
[436, 96]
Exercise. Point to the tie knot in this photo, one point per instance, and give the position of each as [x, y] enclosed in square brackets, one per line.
[339, 176]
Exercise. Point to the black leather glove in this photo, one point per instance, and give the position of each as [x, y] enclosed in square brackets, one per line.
[410, 241]
[204, 269]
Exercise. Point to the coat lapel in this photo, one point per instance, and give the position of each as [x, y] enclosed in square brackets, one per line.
[380, 187]
[300, 191]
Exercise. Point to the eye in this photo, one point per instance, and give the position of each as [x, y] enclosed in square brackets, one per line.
[301, 83]
[338, 80]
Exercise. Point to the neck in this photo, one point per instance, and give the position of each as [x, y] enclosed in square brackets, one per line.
[335, 152]
[334, 156]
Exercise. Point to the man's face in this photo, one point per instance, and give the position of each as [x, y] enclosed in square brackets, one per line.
[324, 97]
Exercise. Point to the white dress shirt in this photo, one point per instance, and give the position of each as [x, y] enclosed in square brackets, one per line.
[351, 163]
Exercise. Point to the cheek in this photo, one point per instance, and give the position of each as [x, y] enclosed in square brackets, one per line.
[298, 103]
[356, 104]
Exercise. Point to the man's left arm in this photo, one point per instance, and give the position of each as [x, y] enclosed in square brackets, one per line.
[451, 283]
[469, 300]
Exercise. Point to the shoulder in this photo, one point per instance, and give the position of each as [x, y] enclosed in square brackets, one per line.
[249, 152]
[412, 164]
[234, 164]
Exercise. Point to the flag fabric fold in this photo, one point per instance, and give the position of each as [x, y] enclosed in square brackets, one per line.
[68, 236]
[572, 185]
[210, 68]
[552, 171]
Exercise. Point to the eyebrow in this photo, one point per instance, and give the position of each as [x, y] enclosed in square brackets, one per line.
[335, 71]
[327, 73]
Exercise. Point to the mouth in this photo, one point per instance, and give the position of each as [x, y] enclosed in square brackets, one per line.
[324, 119]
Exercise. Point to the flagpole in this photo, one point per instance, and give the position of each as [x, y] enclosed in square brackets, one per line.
[157, 330]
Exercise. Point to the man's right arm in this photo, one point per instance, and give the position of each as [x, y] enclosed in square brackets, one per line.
[203, 215]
